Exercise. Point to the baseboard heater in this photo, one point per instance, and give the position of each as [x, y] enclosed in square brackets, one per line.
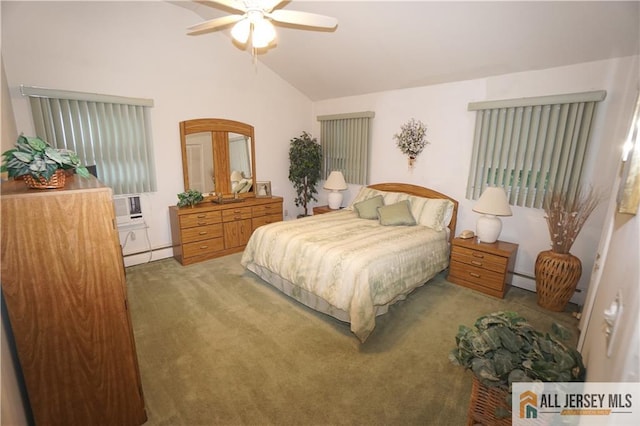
[136, 253]
[531, 277]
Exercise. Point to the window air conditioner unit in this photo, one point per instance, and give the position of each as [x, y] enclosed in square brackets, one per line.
[128, 210]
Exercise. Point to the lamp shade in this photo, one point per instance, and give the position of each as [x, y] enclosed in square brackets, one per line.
[492, 203]
[335, 182]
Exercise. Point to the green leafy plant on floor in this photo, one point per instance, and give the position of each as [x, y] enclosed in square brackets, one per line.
[504, 348]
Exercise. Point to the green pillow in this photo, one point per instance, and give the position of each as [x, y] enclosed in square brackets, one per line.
[368, 209]
[396, 214]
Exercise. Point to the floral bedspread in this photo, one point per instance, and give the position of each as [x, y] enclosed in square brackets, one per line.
[353, 264]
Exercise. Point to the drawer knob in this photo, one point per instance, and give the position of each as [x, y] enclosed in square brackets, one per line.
[200, 216]
[203, 232]
[473, 274]
[204, 247]
[476, 262]
[476, 254]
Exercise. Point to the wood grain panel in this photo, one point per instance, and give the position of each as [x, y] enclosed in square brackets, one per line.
[238, 219]
[421, 191]
[200, 233]
[63, 281]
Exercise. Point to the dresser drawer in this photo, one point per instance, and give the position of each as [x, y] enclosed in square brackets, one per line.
[199, 219]
[238, 213]
[263, 220]
[459, 271]
[201, 248]
[267, 210]
[200, 233]
[480, 259]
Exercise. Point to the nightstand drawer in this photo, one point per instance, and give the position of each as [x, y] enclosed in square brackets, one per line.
[476, 275]
[486, 267]
[480, 259]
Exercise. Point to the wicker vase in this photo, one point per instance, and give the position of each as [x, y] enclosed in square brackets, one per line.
[57, 180]
[483, 404]
[557, 276]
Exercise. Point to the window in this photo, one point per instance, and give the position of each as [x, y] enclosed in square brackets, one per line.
[111, 133]
[345, 141]
[532, 145]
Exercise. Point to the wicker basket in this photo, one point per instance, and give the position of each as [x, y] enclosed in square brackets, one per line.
[557, 276]
[483, 404]
[57, 180]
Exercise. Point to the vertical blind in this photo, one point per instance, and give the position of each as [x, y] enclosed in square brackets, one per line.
[530, 146]
[345, 141]
[110, 132]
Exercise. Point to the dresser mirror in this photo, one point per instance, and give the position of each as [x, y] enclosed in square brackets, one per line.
[218, 157]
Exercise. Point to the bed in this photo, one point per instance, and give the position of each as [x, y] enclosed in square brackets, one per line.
[355, 262]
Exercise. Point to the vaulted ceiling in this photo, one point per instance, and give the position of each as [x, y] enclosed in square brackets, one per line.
[385, 45]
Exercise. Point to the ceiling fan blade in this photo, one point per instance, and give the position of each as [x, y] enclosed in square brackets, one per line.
[214, 24]
[269, 5]
[303, 18]
[230, 4]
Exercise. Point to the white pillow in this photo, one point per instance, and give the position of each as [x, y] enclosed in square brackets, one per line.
[434, 213]
[364, 194]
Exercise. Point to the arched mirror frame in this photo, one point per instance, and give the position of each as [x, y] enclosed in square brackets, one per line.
[220, 130]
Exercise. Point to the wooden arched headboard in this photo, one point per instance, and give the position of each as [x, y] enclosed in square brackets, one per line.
[421, 191]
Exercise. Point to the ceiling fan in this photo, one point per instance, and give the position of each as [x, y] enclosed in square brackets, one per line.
[255, 21]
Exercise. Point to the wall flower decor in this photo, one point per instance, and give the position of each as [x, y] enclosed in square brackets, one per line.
[411, 140]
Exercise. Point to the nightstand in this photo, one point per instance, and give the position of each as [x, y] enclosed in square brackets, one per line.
[322, 209]
[481, 266]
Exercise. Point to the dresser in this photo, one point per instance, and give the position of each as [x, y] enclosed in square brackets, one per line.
[63, 281]
[209, 230]
[484, 267]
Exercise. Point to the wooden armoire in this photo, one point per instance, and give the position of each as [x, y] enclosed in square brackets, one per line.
[63, 281]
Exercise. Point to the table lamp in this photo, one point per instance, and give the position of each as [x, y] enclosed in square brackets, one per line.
[492, 203]
[335, 183]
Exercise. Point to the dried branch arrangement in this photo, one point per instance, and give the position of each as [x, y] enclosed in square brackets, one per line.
[565, 216]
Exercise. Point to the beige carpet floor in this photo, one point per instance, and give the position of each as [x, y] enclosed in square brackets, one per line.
[218, 346]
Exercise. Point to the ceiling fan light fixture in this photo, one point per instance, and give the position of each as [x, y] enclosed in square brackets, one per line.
[263, 33]
[240, 31]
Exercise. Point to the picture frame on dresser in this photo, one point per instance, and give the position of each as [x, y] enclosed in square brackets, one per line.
[263, 189]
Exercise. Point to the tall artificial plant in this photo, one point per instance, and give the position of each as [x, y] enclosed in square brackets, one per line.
[305, 158]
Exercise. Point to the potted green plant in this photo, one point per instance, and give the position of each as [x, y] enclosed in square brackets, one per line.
[504, 348]
[190, 198]
[41, 165]
[305, 158]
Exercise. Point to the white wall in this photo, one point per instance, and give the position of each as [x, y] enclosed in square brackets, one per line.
[620, 277]
[444, 163]
[12, 407]
[141, 49]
